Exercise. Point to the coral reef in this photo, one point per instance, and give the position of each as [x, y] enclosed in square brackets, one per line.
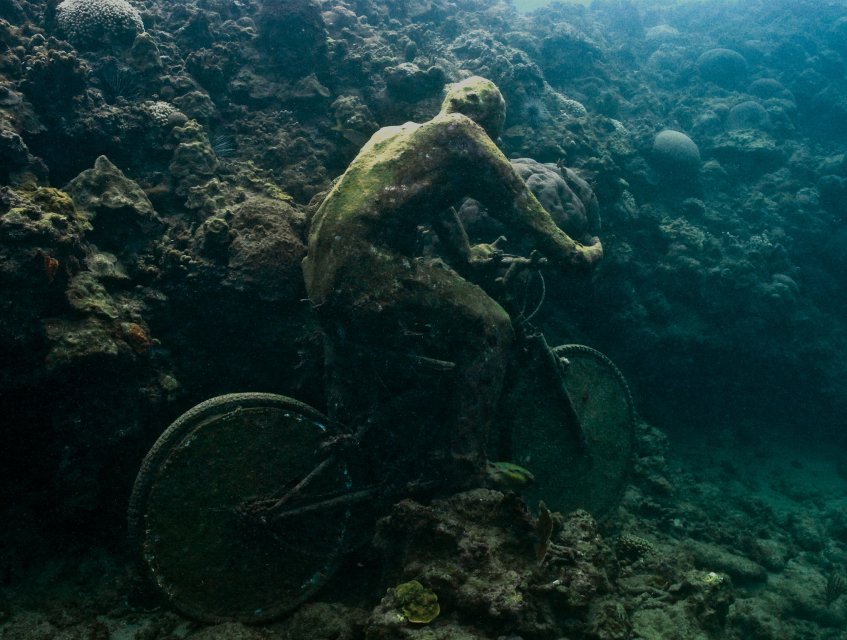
[160, 163]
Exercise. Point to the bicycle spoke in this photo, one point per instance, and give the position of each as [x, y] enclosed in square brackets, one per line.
[304, 483]
[325, 505]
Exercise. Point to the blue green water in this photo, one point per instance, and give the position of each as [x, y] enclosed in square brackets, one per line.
[162, 165]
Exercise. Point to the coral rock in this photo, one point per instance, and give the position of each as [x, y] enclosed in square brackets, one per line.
[96, 23]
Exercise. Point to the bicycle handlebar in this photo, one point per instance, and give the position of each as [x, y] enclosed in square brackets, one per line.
[515, 264]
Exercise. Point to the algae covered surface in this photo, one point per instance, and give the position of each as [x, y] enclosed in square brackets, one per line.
[166, 167]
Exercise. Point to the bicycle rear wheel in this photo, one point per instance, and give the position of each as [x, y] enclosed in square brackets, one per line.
[186, 513]
[572, 471]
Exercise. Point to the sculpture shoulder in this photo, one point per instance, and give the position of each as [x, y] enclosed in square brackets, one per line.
[389, 143]
[389, 137]
[377, 167]
[457, 124]
[454, 121]
[457, 132]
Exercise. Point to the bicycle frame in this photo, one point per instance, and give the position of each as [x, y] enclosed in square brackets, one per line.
[558, 369]
[288, 505]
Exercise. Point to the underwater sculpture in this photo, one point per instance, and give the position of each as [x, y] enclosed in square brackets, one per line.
[414, 345]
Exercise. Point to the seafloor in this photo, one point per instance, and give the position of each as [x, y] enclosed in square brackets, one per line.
[156, 186]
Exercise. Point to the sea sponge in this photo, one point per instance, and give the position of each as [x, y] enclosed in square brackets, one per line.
[95, 24]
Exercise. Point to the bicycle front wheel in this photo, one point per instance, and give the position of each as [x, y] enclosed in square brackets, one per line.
[190, 519]
[584, 465]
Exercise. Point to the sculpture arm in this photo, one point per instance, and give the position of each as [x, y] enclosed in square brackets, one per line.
[480, 169]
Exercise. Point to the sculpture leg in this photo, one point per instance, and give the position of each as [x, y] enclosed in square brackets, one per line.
[424, 362]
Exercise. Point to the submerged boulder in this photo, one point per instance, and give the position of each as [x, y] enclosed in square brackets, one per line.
[749, 152]
[407, 81]
[293, 34]
[265, 251]
[117, 207]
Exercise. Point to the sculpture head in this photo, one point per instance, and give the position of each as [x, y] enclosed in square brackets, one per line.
[480, 100]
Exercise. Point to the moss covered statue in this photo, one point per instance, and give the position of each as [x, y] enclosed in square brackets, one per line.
[414, 347]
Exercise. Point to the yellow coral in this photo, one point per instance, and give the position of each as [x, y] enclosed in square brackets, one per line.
[418, 604]
[713, 578]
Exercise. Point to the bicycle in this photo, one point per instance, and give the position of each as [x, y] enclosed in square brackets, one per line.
[233, 526]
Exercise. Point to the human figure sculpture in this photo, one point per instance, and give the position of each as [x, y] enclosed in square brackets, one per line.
[413, 345]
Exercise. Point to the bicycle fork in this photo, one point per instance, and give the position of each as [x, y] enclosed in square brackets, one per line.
[559, 367]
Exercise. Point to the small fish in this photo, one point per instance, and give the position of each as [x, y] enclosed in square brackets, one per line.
[508, 475]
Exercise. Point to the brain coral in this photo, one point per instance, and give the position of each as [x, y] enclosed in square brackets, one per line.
[724, 67]
[565, 196]
[675, 152]
[748, 115]
[93, 24]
